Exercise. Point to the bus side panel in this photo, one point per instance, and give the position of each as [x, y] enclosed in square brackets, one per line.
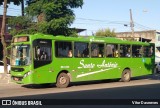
[140, 66]
[44, 74]
[85, 69]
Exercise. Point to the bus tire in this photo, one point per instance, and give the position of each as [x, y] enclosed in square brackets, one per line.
[126, 75]
[63, 80]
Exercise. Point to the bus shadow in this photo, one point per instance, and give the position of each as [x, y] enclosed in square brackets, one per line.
[150, 77]
[95, 82]
[39, 86]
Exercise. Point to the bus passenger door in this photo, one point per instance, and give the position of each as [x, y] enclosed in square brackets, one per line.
[43, 68]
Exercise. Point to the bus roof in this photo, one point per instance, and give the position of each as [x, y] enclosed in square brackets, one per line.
[95, 39]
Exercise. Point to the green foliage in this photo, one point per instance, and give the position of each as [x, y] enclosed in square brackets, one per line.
[21, 24]
[106, 32]
[73, 33]
[53, 16]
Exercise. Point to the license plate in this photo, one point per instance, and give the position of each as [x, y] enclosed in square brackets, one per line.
[16, 79]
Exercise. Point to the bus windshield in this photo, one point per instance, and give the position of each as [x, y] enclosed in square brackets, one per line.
[20, 55]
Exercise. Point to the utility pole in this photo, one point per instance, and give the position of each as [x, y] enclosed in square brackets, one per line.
[132, 24]
[3, 37]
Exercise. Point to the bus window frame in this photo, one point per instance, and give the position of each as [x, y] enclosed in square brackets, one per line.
[152, 51]
[55, 47]
[102, 56]
[132, 51]
[39, 63]
[129, 53]
[118, 48]
[89, 49]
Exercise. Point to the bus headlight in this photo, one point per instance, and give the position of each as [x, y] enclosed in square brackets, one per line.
[27, 74]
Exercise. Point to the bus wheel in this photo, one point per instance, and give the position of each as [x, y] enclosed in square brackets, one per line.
[63, 80]
[126, 75]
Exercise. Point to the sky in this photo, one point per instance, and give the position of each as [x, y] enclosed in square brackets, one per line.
[113, 14]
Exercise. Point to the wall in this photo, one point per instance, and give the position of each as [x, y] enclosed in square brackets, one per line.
[150, 34]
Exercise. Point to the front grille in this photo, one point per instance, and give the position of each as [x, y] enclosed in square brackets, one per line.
[17, 69]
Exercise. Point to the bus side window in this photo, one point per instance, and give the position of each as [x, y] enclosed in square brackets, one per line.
[44, 56]
[115, 51]
[148, 50]
[109, 50]
[63, 49]
[81, 49]
[97, 50]
[137, 51]
[42, 52]
[85, 52]
[112, 50]
[125, 50]
[37, 53]
[70, 53]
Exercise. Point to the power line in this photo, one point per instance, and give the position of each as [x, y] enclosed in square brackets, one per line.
[93, 20]
[124, 23]
[108, 21]
[11, 9]
[109, 24]
[14, 9]
[143, 26]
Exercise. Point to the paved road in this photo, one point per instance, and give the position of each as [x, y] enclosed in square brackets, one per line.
[147, 86]
[138, 88]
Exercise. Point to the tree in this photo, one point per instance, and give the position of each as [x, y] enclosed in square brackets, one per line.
[51, 16]
[4, 2]
[3, 37]
[106, 32]
[21, 25]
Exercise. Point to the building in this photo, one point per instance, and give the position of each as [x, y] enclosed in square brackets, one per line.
[78, 30]
[149, 35]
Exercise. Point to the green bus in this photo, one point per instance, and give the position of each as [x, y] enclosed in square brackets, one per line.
[45, 59]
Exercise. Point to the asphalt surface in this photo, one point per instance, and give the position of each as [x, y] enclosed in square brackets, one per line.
[138, 89]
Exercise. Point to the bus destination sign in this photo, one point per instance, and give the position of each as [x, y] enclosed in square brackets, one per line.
[21, 39]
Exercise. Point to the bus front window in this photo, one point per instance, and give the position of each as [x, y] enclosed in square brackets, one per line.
[20, 55]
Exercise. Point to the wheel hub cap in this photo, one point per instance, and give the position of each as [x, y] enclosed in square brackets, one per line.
[63, 80]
